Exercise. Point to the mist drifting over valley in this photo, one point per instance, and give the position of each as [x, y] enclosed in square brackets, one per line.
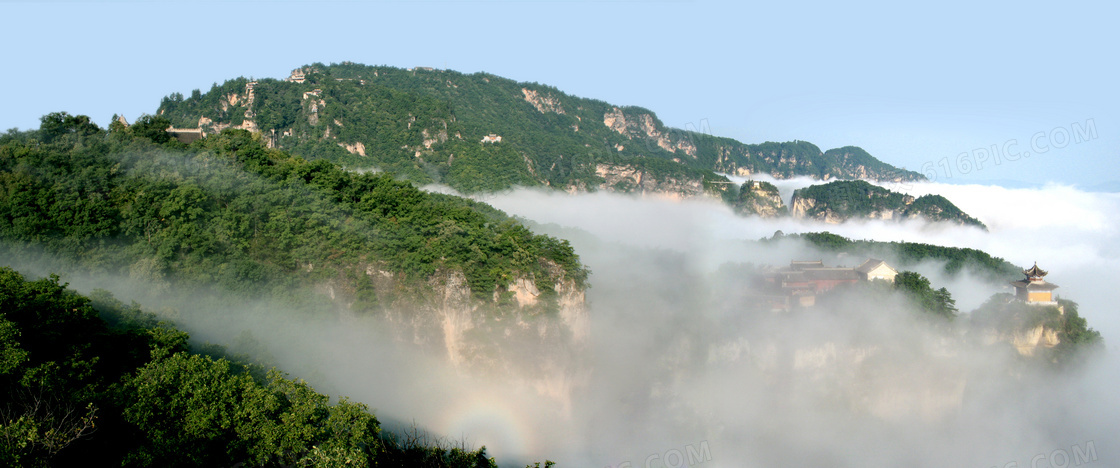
[560, 234]
[675, 371]
[677, 362]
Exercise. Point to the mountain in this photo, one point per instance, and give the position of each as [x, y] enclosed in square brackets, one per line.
[231, 220]
[909, 255]
[481, 132]
[759, 198]
[839, 201]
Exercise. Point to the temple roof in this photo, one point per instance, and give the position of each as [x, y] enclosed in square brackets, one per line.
[871, 264]
[1035, 271]
[831, 274]
[801, 264]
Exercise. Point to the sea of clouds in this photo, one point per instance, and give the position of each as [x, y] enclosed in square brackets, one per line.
[677, 373]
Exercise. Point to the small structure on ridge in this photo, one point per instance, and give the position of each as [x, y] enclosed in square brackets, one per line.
[1033, 289]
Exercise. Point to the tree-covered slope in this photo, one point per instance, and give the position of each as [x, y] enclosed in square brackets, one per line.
[1066, 336]
[911, 254]
[429, 125]
[228, 211]
[842, 200]
[759, 198]
[98, 382]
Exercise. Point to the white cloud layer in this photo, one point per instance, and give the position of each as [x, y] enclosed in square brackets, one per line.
[675, 365]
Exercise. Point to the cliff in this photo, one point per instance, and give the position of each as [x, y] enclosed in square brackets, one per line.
[1051, 333]
[839, 201]
[231, 220]
[760, 199]
[538, 333]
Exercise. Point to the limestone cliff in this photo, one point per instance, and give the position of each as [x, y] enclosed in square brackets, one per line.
[1050, 332]
[644, 125]
[839, 201]
[1029, 329]
[635, 179]
[760, 199]
[535, 328]
[544, 104]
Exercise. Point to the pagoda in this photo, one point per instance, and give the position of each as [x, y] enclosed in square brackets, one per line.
[1034, 289]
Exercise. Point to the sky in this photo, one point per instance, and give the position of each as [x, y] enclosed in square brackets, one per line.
[1014, 93]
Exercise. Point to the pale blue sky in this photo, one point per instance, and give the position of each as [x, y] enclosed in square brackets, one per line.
[914, 85]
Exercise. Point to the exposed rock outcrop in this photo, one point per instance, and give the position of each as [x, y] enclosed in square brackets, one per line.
[760, 199]
[358, 148]
[1027, 342]
[544, 104]
[538, 335]
[838, 201]
[631, 179]
[645, 125]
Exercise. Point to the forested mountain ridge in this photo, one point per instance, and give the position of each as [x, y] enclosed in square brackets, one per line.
[842, 200]
[481, 132]
[230, 218]
[759, 198]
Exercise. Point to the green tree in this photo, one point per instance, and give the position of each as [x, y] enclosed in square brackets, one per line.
[152, 127]
[935, 301]
[56, 124]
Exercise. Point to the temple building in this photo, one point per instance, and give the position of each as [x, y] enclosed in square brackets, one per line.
[801, 282]
[875, 269]
[186, 135]
[1034, 289]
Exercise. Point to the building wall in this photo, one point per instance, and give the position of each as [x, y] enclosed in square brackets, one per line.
[883, 272]
[825, 285]
[1039, 296]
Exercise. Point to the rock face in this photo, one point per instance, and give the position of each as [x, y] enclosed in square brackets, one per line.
[801, 207]
[358, 148]
[1032, 330]
[760, 199]
[538, 335]
[544, 104]
[1027, 341]
[839, 201]
[633, 179]
[646, 126]
[788, 159]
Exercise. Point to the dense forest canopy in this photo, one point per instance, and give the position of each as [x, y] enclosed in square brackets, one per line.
[99, 381]
[858, 199]
[909, 254]
[227, 210]
[428, 125]
[230, 216]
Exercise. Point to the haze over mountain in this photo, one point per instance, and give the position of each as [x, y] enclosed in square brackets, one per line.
[594, 328]
[678, 364]
[442, 310]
